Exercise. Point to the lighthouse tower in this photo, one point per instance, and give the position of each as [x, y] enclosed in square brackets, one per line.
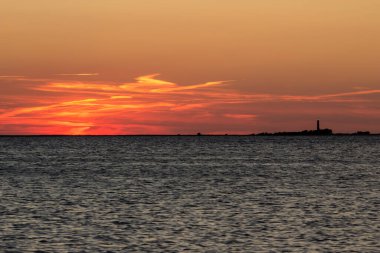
[318, 126]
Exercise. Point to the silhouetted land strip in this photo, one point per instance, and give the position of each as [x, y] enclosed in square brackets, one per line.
[305, 132]
[302, 133]
[317, 132]
[314, 133]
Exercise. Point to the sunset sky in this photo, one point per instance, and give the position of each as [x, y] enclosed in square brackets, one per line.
[182, 67]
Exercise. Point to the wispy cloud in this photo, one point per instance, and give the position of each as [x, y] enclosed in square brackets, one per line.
[79, 74]
[329, 97]
[151, 105]
[10, 77]
[240, 116]
[143, 84]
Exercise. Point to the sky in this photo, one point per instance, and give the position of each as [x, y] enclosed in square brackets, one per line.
[181, 67]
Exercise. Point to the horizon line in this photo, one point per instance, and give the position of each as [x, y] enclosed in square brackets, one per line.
[196, 135]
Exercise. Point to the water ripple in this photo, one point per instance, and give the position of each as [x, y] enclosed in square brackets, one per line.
[194, 194]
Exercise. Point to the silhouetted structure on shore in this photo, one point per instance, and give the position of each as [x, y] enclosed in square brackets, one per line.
[318, 131]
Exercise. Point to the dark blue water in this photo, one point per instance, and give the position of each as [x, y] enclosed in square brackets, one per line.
[194, 194]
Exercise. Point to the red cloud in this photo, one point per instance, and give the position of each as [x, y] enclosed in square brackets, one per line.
[153, 106]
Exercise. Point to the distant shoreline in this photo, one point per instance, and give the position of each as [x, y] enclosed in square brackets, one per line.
[317, 132]
[191, 135]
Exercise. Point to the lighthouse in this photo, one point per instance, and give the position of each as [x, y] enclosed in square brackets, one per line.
[318, 127]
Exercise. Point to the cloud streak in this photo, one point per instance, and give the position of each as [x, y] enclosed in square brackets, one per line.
[79, 74]
[150, 105]
[10, 77]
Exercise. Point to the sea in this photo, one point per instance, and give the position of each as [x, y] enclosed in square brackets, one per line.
[190, 194]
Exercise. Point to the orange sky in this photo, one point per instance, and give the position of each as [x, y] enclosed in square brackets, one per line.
[243, 66]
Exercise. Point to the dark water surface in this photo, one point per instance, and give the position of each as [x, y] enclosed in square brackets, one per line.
[190, 194]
